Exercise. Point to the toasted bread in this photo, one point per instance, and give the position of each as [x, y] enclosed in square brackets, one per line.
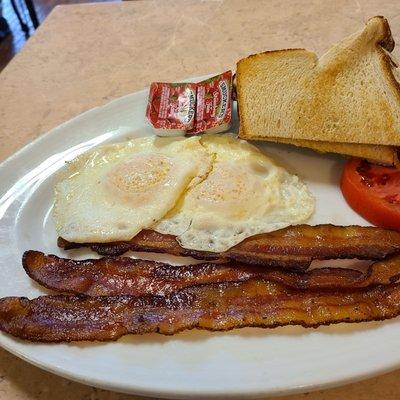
[378, 154]
[350, 95]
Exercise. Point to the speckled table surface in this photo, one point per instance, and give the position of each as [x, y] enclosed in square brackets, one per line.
[85, 55]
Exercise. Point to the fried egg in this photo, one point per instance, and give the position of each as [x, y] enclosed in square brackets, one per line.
[114, 191]
[244, 194]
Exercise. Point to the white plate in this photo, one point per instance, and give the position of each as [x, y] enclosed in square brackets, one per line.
[246, 362]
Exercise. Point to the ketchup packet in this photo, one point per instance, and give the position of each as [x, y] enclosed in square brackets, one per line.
[191, 108]
[213, 104]
[171, 107]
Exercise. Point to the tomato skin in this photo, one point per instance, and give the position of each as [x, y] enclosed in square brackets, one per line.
[371, 202]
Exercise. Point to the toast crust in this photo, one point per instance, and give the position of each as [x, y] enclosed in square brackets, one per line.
[378, 154]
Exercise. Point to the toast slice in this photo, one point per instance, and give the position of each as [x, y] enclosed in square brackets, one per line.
[375, 153]
[350, 95]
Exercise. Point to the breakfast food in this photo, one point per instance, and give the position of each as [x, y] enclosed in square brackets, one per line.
[118, 296]
[244, 194]
[375, 153]
[215, 307]
[219, 199]
[217, 190]
[373, 191]
[114, 191]
[114, 276]
[293, 247]
[347, 101]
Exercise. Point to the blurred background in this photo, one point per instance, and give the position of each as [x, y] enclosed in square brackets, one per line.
[19, 19]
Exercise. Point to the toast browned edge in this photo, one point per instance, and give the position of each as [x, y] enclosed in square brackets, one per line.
[387, 62]
[388, 44]
[378, 159]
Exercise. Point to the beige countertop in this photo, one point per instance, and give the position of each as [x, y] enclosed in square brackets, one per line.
[86, 55]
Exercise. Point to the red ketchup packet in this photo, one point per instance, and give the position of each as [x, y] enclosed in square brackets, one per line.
[191, 108]
[171, 107]
[213, 104]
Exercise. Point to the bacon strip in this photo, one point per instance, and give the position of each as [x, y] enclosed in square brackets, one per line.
[292, 247]
[219, 307]
[127, 276]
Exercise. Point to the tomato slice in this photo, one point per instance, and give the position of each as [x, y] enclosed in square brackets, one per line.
[373, 191]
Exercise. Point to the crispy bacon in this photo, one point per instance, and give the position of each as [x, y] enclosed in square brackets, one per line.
[292, 247]
[127, 276]
[220, 307]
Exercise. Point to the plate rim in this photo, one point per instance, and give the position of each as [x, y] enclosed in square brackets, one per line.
[168, 393]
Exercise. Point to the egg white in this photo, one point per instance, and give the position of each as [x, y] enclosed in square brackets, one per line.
[114, 191]
[244, 194]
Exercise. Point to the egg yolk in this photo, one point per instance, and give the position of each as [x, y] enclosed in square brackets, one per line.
[139, 175]
[229, 189]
